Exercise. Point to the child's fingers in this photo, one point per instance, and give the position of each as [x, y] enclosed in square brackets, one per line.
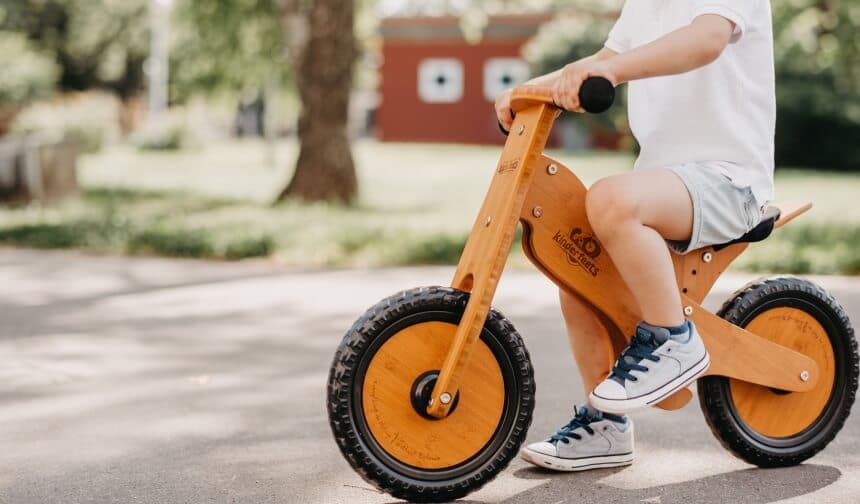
[503, 110]
[556, 95]
[574, 105]
[561, 96]
[566, 93]
[505, 116]
[569, 101]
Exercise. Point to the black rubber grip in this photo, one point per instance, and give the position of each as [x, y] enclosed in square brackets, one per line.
[596, 95]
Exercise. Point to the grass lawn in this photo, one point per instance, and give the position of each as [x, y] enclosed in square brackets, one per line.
[417, 204]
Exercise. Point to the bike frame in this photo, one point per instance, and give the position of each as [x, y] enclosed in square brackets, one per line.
[549, 201]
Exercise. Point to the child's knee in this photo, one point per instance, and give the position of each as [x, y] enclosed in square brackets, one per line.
[609, 202]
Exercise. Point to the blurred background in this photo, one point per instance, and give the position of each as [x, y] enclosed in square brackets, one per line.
[332, 133]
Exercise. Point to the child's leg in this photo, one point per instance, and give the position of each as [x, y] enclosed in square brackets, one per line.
[633, 214]
[591, 439]
[589, 340]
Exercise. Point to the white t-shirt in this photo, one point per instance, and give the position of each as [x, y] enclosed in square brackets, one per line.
[724, 111]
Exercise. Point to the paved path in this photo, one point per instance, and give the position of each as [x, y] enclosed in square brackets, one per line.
[150, 380]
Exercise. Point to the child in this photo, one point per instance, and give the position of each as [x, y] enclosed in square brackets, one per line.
[702, 106]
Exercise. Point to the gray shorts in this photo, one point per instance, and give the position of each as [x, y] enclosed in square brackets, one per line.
[723, 209]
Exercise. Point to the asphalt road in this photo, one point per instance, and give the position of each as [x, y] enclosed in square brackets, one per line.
[150, 380]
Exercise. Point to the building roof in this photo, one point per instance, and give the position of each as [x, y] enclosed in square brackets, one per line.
[518, 27]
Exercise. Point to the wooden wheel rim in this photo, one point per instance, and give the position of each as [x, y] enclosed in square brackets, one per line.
[393, 422]
[777, 414]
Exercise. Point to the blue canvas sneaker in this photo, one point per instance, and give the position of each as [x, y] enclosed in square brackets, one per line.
[591, 440]
[657, 363]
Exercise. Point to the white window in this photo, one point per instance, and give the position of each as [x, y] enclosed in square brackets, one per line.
[503, 73]
[440, 80]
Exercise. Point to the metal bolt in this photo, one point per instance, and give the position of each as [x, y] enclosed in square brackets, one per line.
[522, 129]
[688, 310]
[552, 169]
[804, 375]
[488, 221]
[707, 257]
[445, 398]
[537, 212]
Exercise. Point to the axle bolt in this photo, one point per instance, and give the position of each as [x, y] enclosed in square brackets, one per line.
[445, 398]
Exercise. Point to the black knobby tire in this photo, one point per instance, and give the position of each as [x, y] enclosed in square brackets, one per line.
[345, 412]
[715, 397]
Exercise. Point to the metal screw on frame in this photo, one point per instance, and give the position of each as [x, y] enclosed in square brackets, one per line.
[521, 129]
[488, 221]
[688, 310]
[552, 169]
[537, 212]
[445, 398]
[707, 257]
[804, 375]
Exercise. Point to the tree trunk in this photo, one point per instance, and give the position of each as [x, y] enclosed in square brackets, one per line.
[325, 170]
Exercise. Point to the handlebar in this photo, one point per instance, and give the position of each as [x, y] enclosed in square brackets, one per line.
[596, 95]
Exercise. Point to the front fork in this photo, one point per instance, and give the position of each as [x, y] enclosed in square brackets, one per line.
[489, 244]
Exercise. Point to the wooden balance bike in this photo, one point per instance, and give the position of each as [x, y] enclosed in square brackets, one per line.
[431, 391]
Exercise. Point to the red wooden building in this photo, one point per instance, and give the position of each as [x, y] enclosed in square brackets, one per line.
[438, 87]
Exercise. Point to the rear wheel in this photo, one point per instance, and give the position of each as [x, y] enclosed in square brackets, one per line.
[772, 428]
[380, 381]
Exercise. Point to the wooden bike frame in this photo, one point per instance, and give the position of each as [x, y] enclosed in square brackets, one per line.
[549, 201]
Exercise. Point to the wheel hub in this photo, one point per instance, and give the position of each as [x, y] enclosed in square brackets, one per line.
[422, 389]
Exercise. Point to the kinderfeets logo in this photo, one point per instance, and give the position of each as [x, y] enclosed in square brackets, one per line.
[580, 249]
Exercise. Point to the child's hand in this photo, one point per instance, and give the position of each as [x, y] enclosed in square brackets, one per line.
[565, 90]
[503, 110]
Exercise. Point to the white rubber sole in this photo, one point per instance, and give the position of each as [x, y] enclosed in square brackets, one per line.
[621, 406]
[579, 464]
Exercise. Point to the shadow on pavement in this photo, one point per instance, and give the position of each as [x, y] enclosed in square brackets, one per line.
[751, 486]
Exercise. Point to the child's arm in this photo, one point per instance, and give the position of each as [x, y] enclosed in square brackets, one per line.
[503, 102]
[685, 49]
[549, 79]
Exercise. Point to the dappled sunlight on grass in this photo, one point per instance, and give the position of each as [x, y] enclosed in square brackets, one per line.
[235, 169]
[416, 205]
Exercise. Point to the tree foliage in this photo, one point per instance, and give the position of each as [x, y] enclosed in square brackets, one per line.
[96, 43]
[818, 83]
[239, 45]
[34, 74]
[227, 45]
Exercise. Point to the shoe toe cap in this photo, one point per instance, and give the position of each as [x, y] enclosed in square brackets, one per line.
[544, 448]
[610, 389]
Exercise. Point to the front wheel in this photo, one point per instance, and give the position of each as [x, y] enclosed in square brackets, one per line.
[381, 378]
[775, 428]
